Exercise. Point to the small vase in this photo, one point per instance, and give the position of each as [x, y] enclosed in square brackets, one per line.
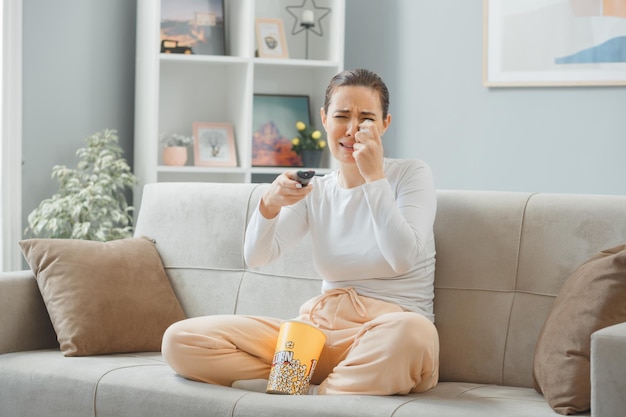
[311, 159]
[175, 155]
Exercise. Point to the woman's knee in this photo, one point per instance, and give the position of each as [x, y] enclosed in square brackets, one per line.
[200, 332]
[171, 339]
[190, 343]
[407, 330]
[174, 346]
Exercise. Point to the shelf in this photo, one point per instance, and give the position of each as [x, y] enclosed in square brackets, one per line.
[210, 59]
[175, 90]
[271, 62]
[273, 170]
[301, 63]
[200, 170]
[232, 170]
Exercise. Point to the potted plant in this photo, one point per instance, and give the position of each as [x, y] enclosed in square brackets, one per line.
[175, 148]
[91, 202]
[308, 145]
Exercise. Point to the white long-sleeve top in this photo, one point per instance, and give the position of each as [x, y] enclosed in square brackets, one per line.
[377, 238]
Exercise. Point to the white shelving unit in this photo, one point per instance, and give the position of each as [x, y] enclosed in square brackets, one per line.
[175, 90]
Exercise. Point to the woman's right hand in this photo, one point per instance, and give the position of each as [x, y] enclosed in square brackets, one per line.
[284, 191]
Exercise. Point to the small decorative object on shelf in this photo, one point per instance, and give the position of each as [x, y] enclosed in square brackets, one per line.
[311, 159]
[308, 145]
[306, 17]
[270, 37]
[214, 144]
[175, 148]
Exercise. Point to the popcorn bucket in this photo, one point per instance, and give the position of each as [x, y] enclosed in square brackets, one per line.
[297, 351]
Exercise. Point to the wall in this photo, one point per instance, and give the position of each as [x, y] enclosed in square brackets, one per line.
[517, 139]
[78, 64]
[78, 79]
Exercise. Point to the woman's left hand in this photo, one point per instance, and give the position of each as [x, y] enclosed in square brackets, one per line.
[368, 152]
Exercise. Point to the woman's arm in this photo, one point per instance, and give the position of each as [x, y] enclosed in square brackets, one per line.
[403, 225]
[277, 221]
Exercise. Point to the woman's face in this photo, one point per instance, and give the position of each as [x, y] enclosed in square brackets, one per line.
[349, 107]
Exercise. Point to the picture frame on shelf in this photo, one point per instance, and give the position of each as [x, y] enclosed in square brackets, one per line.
[193, 27]
[270, 37]
[214, 145]
[557, 43]
[274, 119]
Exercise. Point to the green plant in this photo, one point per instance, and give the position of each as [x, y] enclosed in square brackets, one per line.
[175, 139]
[91, 202]
[308, 139]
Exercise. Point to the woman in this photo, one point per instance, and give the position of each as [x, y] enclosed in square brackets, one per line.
[371, 224]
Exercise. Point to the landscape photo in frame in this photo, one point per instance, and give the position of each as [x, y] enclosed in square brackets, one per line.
[193, 27]
[274, 121]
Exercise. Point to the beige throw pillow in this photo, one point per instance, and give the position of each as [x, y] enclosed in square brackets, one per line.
[591, 298]
[111, 297]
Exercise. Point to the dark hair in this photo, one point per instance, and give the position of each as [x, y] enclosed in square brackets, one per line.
[360, 78]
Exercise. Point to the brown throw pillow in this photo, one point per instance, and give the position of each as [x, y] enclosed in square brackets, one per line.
[111, 297]
[591, 298]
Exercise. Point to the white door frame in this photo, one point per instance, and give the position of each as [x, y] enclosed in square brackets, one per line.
[11, 136]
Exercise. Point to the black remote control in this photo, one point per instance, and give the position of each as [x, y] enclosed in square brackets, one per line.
[304, 177]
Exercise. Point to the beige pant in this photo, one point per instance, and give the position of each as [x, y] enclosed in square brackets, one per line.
[372, 347]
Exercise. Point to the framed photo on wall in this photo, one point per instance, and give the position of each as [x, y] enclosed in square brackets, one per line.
[270, 37]
[193, 27]
[554, 43]
[214, 145]
[274, 120]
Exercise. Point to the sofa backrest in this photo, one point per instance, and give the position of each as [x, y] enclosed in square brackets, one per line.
[501, 259]
[199, 230]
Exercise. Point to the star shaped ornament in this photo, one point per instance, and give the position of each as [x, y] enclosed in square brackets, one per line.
[304, 19]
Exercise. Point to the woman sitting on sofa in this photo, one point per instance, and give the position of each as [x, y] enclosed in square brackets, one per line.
[371, 224]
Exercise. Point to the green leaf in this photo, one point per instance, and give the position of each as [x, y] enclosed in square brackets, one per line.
[91, 201]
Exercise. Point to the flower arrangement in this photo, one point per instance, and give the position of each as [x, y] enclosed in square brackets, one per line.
[308, 139]
[175, 139]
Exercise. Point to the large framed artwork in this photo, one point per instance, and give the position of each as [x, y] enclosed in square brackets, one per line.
[554, 42]
[274, 119]
[193, 27]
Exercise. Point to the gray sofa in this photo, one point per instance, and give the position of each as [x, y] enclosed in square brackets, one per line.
[501, 259]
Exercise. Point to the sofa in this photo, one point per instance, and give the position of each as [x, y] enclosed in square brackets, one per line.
[502, 258]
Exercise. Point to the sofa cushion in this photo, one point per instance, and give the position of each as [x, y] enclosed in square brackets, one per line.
[591, 298]
[103, 297]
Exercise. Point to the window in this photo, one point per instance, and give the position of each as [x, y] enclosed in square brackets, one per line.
[11, 133]
[1, 130]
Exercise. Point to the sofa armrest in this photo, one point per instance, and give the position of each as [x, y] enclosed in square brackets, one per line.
[24, 320]
[608, 371]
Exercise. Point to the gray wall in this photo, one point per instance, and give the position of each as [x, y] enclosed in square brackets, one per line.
[520, 139]
[78, 79]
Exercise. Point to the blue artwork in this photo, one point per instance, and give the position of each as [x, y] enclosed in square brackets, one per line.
[613, 50]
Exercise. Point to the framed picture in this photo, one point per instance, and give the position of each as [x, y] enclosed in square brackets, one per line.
[554, 43]
[193, 27]
[270, 38]
[214, 145]
[274, 120]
